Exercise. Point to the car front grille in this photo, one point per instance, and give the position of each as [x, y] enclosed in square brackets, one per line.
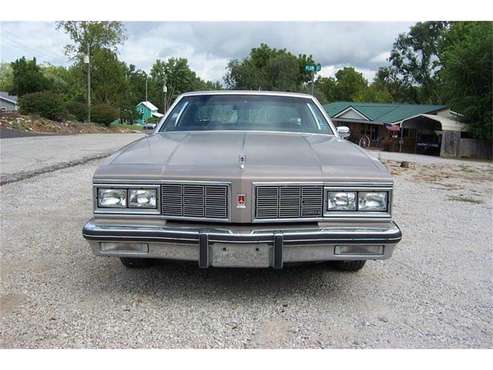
[288, 201]
[195, 201]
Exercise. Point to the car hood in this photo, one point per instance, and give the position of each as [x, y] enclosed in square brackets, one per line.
[230, 155]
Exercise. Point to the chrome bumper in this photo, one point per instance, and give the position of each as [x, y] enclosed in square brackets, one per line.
[244, 246]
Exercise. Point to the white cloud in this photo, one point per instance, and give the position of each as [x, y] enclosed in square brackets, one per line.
[209, 46]
[330, 71]
[381, 58]
[33, 39]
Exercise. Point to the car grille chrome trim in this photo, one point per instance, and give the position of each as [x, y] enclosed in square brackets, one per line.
[288, 201]
[195, 201]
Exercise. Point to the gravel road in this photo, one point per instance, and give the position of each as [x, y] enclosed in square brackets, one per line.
[28, 156]
[436, 292]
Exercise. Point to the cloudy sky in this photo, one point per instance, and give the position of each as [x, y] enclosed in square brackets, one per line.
[209, 46]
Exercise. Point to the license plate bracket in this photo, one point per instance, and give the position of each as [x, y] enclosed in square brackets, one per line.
[241, 255]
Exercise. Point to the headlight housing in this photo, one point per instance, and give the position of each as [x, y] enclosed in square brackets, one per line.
[142, 198]
[375, 201]
[127, 199]
[341, 200]
[358, 201]
[112, 198]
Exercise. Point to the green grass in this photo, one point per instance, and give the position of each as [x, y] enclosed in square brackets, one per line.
[130, 127]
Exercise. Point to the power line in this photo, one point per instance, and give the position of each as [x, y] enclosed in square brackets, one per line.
[15, 42]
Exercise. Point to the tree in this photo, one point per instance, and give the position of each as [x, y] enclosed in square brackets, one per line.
[60, 79]
[108, 77]
[45, 103]
[91, 35]
[374, 93]
[176, 74]
[27, 77]
[6, 77]
[387, 79]
[466, 53]
[415, 63]
[327, 87]
[105, 114]
[134, 93]
[269, 69]
[349, 84]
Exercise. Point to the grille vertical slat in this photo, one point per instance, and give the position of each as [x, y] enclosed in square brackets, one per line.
[195, 201]
[288, 201]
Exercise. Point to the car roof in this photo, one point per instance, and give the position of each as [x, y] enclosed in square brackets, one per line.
[248, 92]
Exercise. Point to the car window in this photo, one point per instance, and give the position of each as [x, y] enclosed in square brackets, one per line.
[246, 112]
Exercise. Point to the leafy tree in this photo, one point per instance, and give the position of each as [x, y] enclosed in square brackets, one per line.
[45, 103]
[78, 110]
[134, 93]
[91, 35]
[268, 69]
[327, 87]
[349, 84]
[60, 79]
[176, 74]
[415, 63]
[466, 53]
[27, 77]
[104, 114]
[387, 79]
[6, 77]
[374, 93]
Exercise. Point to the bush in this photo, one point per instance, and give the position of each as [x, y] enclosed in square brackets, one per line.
[45, 103]
[104, 113]
[78, 110]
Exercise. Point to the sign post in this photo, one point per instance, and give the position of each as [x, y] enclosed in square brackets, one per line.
[313, 68]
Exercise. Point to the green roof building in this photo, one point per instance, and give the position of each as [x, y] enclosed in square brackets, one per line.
[147, 110]
[412, 128]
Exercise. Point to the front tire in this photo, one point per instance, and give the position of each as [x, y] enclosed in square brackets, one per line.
[135, 262]
[349, 265]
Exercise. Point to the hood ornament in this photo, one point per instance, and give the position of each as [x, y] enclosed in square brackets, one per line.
[242, 160]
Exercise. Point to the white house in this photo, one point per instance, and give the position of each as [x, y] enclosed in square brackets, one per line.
[8, 103]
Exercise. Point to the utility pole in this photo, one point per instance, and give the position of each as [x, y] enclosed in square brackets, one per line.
[88, 61]
[313, 81]
[165, 91]
[146, 88]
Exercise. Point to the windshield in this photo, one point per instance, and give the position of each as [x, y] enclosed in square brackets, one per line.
[246, 112]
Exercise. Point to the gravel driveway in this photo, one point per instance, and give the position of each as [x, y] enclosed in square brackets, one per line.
[436, 292]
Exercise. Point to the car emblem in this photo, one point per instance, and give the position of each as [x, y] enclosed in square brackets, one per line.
[241, 201]
[242, 160]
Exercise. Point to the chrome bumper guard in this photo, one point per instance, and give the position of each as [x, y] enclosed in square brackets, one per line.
[244, 247]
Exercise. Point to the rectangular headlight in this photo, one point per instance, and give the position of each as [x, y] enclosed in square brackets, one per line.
[112, 198]
[372, 201]
[341, 201]
[142, 198]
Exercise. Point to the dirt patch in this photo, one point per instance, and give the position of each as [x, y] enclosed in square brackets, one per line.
[444, 174]
[464, 198]
[38, 125]
[10, 302]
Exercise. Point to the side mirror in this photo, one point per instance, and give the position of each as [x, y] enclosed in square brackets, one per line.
[343, 131]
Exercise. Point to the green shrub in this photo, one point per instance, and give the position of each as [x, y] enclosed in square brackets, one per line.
[45, 103]
[153, 120]
[78, 110]
[104, 113]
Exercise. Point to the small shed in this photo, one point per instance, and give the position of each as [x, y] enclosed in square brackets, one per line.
[147, 110]
[8, 103]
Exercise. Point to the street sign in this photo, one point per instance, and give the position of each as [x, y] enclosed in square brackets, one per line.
[313, 67]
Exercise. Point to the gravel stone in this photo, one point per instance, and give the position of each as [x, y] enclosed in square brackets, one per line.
[436, 291]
